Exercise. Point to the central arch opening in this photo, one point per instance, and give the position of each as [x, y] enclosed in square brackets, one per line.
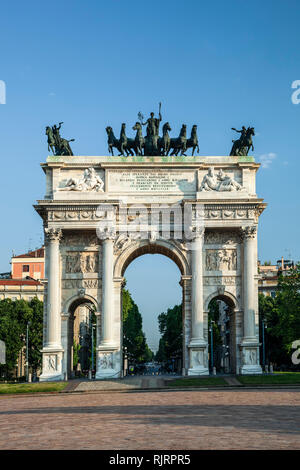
[153, 283]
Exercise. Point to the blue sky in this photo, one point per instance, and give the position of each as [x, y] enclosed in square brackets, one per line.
[97, 63]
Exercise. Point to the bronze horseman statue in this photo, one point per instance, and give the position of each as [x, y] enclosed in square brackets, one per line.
[152, 144]
[242, 145]
[56, 143]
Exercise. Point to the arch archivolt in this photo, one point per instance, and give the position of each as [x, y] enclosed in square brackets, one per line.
[73, 302]
[226, 296]
[142, 247]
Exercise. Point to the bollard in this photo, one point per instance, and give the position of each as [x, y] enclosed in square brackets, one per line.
[29, 377]
[90, 375]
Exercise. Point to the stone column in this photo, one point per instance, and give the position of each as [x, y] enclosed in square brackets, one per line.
[107, 290]
[107, 351]
[250, 263]
[198, 345]
[53, 304]
[52, 350]
[250, 342]
[197, 288]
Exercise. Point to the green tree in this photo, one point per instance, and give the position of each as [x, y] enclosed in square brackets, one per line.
[282, 317]
[288, 302]
[134, 338]
[76, 350]
[14, 317]
[170, 327]
[35, 337]
[11, 331]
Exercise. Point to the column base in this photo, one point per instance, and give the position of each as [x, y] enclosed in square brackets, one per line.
[51, 378]
[107, 374]
[198, 371]
[108, 362]
[52, 365]
[198, 358]
[250, 357]
[251, 370]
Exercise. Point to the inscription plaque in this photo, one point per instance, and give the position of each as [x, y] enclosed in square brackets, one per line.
[151, 181]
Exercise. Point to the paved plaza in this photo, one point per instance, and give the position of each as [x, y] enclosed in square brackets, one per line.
[206, 419]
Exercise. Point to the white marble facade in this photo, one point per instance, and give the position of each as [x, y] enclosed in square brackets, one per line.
[89, 201]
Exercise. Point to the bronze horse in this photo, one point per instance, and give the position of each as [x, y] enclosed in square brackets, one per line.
[165, 141]
[193, 141]
[180, 143]
[121, 145]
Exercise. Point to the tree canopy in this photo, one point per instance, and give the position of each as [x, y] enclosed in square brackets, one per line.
[282, 317]
[170, 327]
[134, 338]
[14, 316]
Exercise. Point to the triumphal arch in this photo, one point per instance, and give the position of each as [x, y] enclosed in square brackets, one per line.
[100, 213]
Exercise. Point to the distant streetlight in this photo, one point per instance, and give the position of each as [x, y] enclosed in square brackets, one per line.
[93, 327]
[211, 344]
[263, 325]
[27, 351]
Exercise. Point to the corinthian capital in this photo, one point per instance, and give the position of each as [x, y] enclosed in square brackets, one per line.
[248, 232]
[53, 234]
[198, 231]
[106, 233]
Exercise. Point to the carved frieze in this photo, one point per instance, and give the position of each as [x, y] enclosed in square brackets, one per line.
[219, 238]
[82, 239]
[80, 283]
[221, 280]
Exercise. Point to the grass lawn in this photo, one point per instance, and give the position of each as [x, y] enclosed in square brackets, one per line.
[197, 382]
[32, 387]
[284, 378]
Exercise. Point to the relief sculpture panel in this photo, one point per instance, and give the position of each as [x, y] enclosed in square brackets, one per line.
[81, 262]
[221, 260]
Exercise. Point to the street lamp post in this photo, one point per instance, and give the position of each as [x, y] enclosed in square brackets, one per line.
[263, 325]
[211, 345]
[93, 327]
[27, 351]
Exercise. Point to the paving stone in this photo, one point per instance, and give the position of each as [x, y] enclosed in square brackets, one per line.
[206, 419]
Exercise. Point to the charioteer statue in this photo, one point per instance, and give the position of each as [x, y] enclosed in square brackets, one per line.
[152, 144]
[242, 145]
[56, 143]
